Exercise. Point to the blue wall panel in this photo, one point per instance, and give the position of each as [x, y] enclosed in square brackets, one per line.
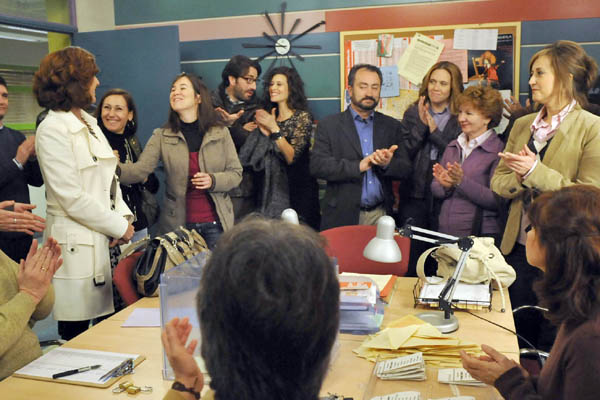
[144, 11]
[577, 30]
[142, 61]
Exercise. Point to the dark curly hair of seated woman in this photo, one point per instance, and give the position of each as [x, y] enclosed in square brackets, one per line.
[268, 306]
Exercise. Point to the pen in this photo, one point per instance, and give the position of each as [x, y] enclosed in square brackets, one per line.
[75, 371]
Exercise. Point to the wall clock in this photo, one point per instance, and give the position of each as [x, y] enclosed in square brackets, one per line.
[281, 44]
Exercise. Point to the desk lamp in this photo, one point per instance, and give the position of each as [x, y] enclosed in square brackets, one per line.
[290, 215]
[384, 248]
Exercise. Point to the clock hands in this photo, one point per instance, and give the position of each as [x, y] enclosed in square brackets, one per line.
[282, 44]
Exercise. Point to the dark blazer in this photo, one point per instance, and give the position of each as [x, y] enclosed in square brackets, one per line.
[419, 142]
[13, 181]
[336, 156]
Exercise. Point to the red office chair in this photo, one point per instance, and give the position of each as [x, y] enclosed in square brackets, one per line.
[347, 243]
[123, 278]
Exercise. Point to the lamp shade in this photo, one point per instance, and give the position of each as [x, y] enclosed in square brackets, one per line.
[383, 247]
[290, 215]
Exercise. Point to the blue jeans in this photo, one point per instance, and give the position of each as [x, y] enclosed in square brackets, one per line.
[210, 231]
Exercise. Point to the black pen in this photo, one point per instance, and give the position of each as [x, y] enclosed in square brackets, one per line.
[75, 371]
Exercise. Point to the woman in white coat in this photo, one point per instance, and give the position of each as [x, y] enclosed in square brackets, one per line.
[85, 210]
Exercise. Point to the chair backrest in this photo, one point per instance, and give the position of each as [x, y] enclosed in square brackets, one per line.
[347, 243]
[123, 278]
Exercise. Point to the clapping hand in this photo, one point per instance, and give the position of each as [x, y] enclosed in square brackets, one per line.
[424, 114]
[37, 270]
[450, 176]
[21, 219]
[520, 163]
[382, 157]
[487, 369]
[229, 119]
[181, 357]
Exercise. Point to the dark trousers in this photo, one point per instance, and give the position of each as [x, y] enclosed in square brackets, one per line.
[16, 249]
[529, 323]
[210, 231]
[69, 329]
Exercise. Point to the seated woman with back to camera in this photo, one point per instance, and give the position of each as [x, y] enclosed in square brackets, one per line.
[563, 241]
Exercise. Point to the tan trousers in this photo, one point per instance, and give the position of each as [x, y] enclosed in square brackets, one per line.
[371, 217]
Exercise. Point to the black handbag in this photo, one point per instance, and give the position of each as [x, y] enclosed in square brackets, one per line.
[161, 254]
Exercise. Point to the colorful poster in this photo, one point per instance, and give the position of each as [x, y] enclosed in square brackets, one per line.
[493, 67]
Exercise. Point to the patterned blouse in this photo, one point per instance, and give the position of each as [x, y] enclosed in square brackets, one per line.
[297, 130]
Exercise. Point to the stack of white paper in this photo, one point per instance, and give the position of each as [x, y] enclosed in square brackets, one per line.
[399, 396]
[411, 367]
[457, 376]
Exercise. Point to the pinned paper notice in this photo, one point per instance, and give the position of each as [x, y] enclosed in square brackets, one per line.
[421, 54]
[390, 86]
[475, 39]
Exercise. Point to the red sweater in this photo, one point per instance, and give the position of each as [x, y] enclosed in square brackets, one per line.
[199, 206]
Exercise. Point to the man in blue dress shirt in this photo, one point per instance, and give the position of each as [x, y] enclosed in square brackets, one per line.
[358, 152]
[18, 167]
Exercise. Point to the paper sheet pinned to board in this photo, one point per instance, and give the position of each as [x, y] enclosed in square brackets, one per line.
[421, 54]
[476, 39]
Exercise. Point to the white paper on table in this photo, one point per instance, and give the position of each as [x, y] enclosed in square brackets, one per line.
[64, 359]
[399, 396]
[475, 39]
[421, 54]
[463, 292]
[143, 317]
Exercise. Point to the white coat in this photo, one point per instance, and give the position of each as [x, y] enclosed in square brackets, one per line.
[78, 170]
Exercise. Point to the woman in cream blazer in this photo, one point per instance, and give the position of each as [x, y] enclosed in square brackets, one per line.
[560, 146]
[85, 210]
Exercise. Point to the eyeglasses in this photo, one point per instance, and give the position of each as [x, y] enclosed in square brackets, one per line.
[249, 79]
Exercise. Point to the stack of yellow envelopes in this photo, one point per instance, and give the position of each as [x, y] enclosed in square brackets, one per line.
[410, 335]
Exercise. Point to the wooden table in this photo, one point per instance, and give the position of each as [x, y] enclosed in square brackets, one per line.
[348, 374]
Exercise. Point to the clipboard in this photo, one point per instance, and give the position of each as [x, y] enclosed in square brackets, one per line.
[64, 359]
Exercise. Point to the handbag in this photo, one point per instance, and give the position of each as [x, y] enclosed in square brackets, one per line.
[484, 264]
[162, 253]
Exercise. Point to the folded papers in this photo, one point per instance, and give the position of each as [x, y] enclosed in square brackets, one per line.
[457, 376]
[411, 367]
[410, 335]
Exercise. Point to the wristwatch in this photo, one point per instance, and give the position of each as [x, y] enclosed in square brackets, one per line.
[180, 387]
[275, 136]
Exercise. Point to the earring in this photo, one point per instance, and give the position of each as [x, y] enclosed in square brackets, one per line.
[130, 124]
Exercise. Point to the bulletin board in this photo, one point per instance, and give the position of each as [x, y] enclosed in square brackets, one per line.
[481, 66]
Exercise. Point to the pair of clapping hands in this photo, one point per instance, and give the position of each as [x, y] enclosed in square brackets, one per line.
[38, 268]
[520, 163]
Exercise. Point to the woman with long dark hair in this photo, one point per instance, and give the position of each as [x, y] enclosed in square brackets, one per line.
[117, 117]
[287, 122]
[200, 162]
[563, 242]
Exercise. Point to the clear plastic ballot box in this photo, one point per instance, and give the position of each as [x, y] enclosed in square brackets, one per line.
[177, 290]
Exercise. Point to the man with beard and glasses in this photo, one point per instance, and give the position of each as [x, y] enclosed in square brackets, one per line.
[358, 152]
[235, 101]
